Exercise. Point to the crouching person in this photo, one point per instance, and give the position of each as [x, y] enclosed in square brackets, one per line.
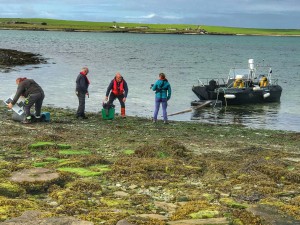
[34, 95]
[117, 89]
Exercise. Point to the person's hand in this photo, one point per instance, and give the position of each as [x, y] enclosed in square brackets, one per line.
[88, 94]
[124, 99]
[106, 98]
[76, 92]
[9, 105]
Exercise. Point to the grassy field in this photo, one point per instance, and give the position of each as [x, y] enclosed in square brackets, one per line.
[67, 25]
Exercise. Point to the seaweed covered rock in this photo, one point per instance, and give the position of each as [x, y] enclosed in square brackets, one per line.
[10, 58]
[10, 189]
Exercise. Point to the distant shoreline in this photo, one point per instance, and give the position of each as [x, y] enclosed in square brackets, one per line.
[44, 24]
[140, 32]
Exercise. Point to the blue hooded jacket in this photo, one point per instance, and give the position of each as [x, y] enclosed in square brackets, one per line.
[162, 89]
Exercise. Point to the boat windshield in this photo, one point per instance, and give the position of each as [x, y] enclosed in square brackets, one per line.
[240, 73]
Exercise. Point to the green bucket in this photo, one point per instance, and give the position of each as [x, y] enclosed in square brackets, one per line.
[108, 114]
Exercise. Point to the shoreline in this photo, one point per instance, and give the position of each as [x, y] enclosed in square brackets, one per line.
[144, 32]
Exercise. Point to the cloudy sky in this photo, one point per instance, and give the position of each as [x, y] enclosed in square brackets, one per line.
[234, 13]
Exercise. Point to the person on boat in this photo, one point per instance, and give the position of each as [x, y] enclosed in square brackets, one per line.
[34, 95]
[238, 83]
[162, 90]
[117, 88]
[82, 84]
[263, 82]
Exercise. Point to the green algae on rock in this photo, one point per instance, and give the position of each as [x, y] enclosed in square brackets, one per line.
[11, 190]
[46, 145]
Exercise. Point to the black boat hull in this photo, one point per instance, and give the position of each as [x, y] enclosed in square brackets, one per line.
[239, 96]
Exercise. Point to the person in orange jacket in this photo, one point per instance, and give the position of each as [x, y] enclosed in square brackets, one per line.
[117, 88]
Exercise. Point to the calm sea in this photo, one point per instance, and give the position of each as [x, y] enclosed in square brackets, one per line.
[141, 57]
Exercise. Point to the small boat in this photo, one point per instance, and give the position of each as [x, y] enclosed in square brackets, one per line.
[242, 86]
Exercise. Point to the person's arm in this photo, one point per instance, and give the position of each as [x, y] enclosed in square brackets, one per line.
[154, 87]
[169, 92]
[110, 86]
[20, 90]
[125, 89]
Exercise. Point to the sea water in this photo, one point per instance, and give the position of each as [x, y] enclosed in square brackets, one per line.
[141, 57]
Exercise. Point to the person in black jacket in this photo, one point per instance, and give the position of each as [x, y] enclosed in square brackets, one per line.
[82, 84]
[34, 95]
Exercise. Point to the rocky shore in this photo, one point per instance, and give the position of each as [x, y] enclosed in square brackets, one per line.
[10, 58]
[133, 172]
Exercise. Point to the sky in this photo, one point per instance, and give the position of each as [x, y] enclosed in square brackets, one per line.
[231, 13]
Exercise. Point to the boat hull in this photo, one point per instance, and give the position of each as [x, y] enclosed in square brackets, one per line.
[239, 96]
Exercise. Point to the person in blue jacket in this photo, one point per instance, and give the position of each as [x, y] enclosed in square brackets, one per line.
[163, 91]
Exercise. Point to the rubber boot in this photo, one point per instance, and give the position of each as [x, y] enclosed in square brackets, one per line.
[123, 112]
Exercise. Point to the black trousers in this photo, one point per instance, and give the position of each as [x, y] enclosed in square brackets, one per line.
[112, 98]
[81, 106]
[35, 99]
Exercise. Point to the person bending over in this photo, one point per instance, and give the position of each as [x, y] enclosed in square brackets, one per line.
[117, 88]
[34, 95]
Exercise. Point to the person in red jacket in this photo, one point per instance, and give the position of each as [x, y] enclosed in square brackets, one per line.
[117, 89]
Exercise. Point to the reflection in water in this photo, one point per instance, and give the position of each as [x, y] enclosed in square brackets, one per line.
[255, 116]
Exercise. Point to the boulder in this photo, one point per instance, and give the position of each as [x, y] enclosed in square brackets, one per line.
[34, 217]
[34, 175]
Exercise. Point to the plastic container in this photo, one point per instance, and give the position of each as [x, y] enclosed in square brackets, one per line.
[45, 116]
[108, 114]
[17, 117]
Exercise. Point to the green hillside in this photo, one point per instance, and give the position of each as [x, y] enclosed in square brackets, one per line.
[68, 25]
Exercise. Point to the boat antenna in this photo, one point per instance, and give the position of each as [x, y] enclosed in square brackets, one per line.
[270, 75]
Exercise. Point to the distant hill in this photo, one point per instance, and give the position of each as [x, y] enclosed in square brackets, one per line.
[85, 26]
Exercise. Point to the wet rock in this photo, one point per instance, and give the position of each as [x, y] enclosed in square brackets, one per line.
[124, 222]
[34, 175]
[33, 217]
[270, 214]
[141, 219]
[169, 207]
[217, 221]
[36, 180]
[121, 194]
[10, 58]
